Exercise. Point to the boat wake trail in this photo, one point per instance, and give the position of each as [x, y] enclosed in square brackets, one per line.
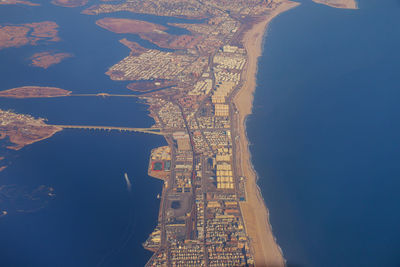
[128, 183]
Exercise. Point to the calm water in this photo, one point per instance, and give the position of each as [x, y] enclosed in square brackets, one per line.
[93, 220]
[326, 132]
[325, 124]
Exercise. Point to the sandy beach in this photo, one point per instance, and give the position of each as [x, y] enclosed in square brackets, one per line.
[345, 4]
[265, 248]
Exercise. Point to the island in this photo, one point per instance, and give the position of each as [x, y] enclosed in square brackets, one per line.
[16, 35]
[23, 130]
[34, 92]
[69, 3]
[16, 2]
[47, 59]
[346, 4]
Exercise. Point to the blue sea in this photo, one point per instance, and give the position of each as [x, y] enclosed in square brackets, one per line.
[325, 133]
[324, 137]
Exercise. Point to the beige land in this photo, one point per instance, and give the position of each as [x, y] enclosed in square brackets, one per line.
[346, 4]
[255, 213]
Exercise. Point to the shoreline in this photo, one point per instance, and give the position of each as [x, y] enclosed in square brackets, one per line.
[343, 4]
[263, 243]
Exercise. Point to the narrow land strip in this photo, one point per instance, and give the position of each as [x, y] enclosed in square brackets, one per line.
[345, 4]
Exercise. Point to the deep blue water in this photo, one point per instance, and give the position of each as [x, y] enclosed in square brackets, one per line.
[325, 134]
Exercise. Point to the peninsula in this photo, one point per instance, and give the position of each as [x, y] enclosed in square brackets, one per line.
[199, 89]
[211, 211]
[199, 92]
[136, 49]
[346, 4]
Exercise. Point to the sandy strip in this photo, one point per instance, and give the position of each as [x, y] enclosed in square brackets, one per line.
[346, 4]
[255, 213]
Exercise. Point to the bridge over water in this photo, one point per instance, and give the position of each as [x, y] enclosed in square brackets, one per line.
[105, 95]
[112, 128]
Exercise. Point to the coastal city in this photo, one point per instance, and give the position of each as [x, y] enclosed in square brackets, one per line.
[198, 87]
[201, 219]
[211, 212]
[132, 134]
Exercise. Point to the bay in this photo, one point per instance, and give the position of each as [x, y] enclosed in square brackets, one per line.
[93, 220]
